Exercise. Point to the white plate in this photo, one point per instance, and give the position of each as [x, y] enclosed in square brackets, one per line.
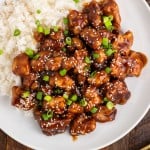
[136, 17]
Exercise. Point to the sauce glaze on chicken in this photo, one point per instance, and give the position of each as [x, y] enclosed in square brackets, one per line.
[77, 77]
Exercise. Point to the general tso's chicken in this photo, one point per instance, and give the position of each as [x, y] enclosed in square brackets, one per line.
[93, 11]
[92, 97]
[28, 80]
[104, 114]
[69, 63]
[56, 104]
[54, 125]
[82, 65]
[119, 67]
[92, 38]
[38, 64]
[117, 92]
[110, 7]
[56, 41]
[75, 108]
[21, 65]
[46, 89]
[64, 82]
[82, 124]
[22, 99]
[99, 78]
[77, 21]
[123, 43]
[136, 62]
[76, 44]
[54, 63]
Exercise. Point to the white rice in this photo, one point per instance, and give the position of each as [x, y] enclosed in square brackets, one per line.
[22, 14]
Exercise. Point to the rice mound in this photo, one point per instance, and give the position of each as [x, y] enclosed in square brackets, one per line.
[22, 14]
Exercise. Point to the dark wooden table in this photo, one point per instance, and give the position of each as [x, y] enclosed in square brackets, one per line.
[136, 139]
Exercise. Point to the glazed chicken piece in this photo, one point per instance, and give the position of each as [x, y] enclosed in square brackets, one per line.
[82, 124]
[117, 92]
[99, 78]
[119, 66]
[54, 126]
[77, 21]
[57, 105]
[65, 82]
[76, 44]
[93, 12]
[28, 80]
[92, 97]
[54, 64]
[80, 56]
[69, 63]
[81, 79]
[21, 65]
[21, 100]
[38, 64]
[46, 89]
[55, 41]
[123, 43]
[104, 114]
[136, 62]
[75, 108]
[110, 7]
[38, 36]
[92, 38]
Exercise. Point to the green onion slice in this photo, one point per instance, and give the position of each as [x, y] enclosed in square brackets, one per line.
[94, 110]
[38, 11]
[29, 52]
[25, 94]
[76, 1]
[74, 98]
[39, 96]
[110, 105]
[66, 21]
[108, 70]
[83, 102]
[63, 72]
[68, 102]
[65, 96]
[1, 51]
[96, 55]
[17, 32]
[68, 41]
[87, 60]
[47, 98]
[47, 116]
[46, 78]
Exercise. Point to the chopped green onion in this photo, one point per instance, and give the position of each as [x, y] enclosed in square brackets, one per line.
[108, 70]
[68, 102]
[106, 99]
[76, 1]
[92, 75]
[46, 31]
[39, 96]
[1, 51]
[83, 102]
[66, 21]
[105, 42]
[110, 105]
[38, 11]
[68, 41]
[36, 56]
[46, 78]
[29, 52]
[55, 28]
[87, 60]
[96, 55]
[64, 49]
[74, 97]
[94, 110]
[47, 116]
[47, 98]
[65, 96]
[107, 20]
[17, 32]
[37, 22]
[40, 29]
[109, 52]
[25, 94]
[63, 72]
[66, 32]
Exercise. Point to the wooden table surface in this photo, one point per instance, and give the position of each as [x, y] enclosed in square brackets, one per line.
[136, 139]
